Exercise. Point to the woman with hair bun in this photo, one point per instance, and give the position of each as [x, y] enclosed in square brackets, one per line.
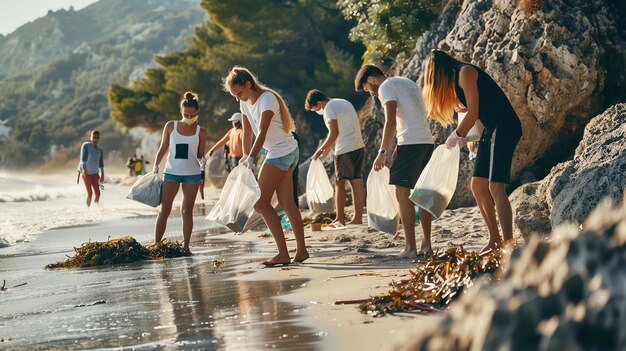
[266, 115]
[185, 142]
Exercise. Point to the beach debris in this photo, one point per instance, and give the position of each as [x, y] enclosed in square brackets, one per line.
[218, 263]
[323, 218]
[435, 282]
[98, 302]
[4, 283]
[122, 250]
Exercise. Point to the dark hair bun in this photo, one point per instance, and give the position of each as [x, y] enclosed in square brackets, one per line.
[190, 96]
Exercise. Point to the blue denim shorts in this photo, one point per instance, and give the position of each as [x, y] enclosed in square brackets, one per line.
[286, 162]
[188, 179]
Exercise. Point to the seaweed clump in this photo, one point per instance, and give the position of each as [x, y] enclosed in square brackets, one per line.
[323, 218]
[435, 283]
[122, 250]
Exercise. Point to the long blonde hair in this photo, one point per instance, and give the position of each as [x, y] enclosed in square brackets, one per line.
[440, 99]
[240, 75]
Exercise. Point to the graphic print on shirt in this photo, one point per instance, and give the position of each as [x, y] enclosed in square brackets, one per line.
[182, 151]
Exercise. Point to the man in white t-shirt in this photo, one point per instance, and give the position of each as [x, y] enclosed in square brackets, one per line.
[345, 134]
[405, 118]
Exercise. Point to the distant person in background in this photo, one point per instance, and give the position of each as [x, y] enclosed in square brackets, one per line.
[266, 116]
[143, 164]
[130, 164]
[406, 119]
[92, 166]
[234, 139]
[296, 173]
[185, 143]
[451, 85]
[344, 133]
[138, 166]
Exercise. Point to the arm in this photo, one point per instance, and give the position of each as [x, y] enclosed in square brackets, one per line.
[165, 144]
[468, 81]
[220, 143]
[333, 134]
[388, 132]
[101, 165]
[204, 135]
[247, 135]
[266, 118]
[83, 158]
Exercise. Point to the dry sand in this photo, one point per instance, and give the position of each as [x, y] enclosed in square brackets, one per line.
[354, 264]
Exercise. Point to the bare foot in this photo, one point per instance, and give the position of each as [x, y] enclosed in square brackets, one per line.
[301, 257]
[491, 246]
[278, 259]
[407, 254]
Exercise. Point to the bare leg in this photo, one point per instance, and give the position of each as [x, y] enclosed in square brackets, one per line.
[480, 190]
[285, 198]
[189, 199]
[358, 200]
[269, 178]
[407, 215]
[426, 220]
[340, 200]
[168, 193]
[503, 209]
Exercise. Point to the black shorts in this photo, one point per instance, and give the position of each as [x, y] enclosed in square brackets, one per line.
[350, 165]
[408, 163]
[495, 155]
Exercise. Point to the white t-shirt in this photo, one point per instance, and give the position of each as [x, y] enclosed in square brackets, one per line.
[411, 123]
[343, 112]
[278, 143]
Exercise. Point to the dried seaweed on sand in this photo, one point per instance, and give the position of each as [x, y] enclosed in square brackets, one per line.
[323, 218]
[122, 250]
[435, 283]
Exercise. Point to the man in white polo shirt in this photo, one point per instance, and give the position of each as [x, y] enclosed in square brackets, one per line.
[345, 134]
[405, 118]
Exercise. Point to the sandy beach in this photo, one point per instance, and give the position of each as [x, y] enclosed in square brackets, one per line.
[202, 303]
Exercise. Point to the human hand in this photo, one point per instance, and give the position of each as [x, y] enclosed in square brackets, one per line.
[454, 139]
[472, 147]
[203, 161]
[317, 154]
[380, 161]
[247, 161]
[155, 169]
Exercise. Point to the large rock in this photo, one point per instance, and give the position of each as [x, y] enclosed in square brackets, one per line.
[559, 67]
[566, 294]
[573, 188]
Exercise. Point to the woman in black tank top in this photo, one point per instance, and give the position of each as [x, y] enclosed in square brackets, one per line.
[451, 85]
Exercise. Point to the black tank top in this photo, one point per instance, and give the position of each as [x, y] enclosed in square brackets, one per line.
[494, 108]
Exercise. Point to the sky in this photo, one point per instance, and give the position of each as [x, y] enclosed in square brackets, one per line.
[15, 13]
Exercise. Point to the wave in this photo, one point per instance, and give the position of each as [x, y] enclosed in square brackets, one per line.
[29, 197]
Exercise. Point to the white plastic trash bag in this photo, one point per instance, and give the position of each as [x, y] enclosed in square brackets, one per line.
[319, 191]
[382, 208]
[236, 204]
[147, 190]
[475, 132]
[435, 186]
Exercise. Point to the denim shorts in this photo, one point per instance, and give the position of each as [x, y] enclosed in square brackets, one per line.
[286, 162]
[188, 179]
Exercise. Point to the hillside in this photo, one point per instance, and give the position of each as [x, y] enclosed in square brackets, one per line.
[55, 72]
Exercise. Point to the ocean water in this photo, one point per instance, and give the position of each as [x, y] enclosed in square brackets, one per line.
[30, 205]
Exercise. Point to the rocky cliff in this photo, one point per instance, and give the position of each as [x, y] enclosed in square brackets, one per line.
[559, 66]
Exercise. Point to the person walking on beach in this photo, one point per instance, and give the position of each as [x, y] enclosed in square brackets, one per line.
[185, 142]
[405, 118]
[234, 138]
[92, 166]
[266, 116]
[451, 85]
[345, 134]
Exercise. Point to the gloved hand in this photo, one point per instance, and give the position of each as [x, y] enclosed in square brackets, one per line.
[247, 161]
[155, 169]
[203, 161]
[454, 139]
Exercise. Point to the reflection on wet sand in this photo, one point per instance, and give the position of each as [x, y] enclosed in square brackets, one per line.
[181, 303]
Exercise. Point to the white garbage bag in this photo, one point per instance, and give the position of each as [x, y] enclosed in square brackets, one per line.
[236, 203]
[475, 132]
[147, 190]
[435, 186]
[319, 191]
[382, 207]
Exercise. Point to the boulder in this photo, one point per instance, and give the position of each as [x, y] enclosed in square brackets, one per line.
[565, 294]
[573, 188]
